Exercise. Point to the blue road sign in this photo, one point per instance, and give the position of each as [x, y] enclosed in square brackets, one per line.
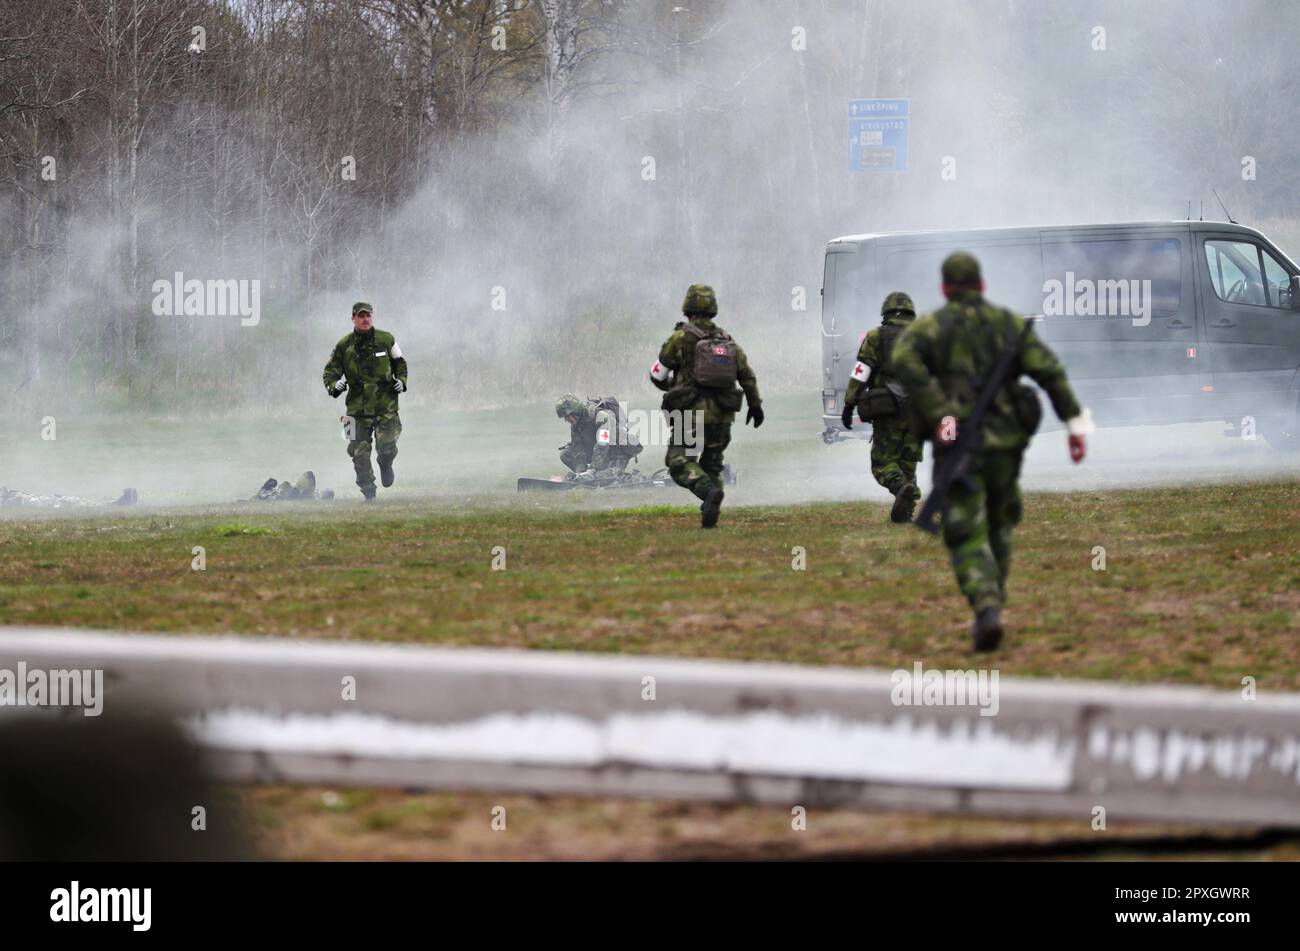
[878, 135]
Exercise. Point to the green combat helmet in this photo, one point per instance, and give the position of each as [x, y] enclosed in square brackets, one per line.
[700, 300]
[897, 302]
[960, 268]
[569, 405]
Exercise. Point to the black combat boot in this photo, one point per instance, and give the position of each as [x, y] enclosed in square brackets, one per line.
[710, 508]
[386, 474]
[368, 493]
[904, 503]
[987, 629]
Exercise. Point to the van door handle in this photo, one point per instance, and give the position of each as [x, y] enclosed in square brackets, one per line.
[1178, 323]
[1224, 322]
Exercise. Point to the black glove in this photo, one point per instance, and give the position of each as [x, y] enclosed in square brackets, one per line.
[339, 386]
[756, 415]
[398, 385]
[846, 417]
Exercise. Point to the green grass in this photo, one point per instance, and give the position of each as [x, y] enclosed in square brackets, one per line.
[1202, 585]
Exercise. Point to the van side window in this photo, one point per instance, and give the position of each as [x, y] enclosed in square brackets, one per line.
[1013, 273]
[1235, 271]
[1112, 277]
[1277, 282]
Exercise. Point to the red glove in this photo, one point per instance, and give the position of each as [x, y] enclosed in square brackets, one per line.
[1077, 448]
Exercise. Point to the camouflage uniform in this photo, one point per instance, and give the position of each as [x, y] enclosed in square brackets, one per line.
[941, 359]
[599, 443]
[372, 364]
[895, 450]
[693, 408]
[286, 491]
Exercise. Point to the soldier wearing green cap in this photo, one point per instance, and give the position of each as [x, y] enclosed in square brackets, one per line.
[942, 360]
[705, 377]
[369, 365]
[879, 399]
[599, 446]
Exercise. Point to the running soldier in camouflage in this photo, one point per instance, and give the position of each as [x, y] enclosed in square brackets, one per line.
[705, 376]
[879, 399]
[369, 364]
[942, 360]
[599, 447]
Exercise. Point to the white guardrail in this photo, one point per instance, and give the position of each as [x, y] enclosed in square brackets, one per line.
[596, 725]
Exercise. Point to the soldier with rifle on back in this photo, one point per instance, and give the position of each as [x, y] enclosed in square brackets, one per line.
[960, 367]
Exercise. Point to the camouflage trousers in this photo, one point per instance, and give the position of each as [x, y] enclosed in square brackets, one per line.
[382, 432]
[702, 474]
[977, 526]
[895, 454]
[576, 459]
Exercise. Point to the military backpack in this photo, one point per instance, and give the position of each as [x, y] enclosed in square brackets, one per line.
[716, 358]
[630, 445]
[881, 402]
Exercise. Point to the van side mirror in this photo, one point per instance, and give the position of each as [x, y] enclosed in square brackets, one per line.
[1295, 291]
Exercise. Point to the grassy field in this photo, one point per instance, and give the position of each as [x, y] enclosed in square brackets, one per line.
[347, 825]
[1200, 585]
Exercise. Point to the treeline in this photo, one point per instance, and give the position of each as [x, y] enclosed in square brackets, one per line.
[525, 187]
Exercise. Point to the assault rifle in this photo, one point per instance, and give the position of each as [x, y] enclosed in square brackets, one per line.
[953, 466]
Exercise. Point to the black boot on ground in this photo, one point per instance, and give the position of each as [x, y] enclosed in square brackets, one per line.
[987, 629]
[711, 507]
[904, 503]
[368, 493]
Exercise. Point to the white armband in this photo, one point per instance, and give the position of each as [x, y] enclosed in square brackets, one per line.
[659, 372]
[860, 372]
[1081, 425]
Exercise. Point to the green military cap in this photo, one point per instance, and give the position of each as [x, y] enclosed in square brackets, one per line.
[700, 300]
[569, 405]
[360, 306]
[897, 301]
[960, 267]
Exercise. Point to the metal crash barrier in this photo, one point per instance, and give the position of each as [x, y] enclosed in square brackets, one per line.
[266, 710]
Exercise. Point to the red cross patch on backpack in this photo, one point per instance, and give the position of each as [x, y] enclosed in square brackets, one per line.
[715, 359]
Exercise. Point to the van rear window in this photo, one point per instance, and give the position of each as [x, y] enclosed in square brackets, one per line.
[1111, 278]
